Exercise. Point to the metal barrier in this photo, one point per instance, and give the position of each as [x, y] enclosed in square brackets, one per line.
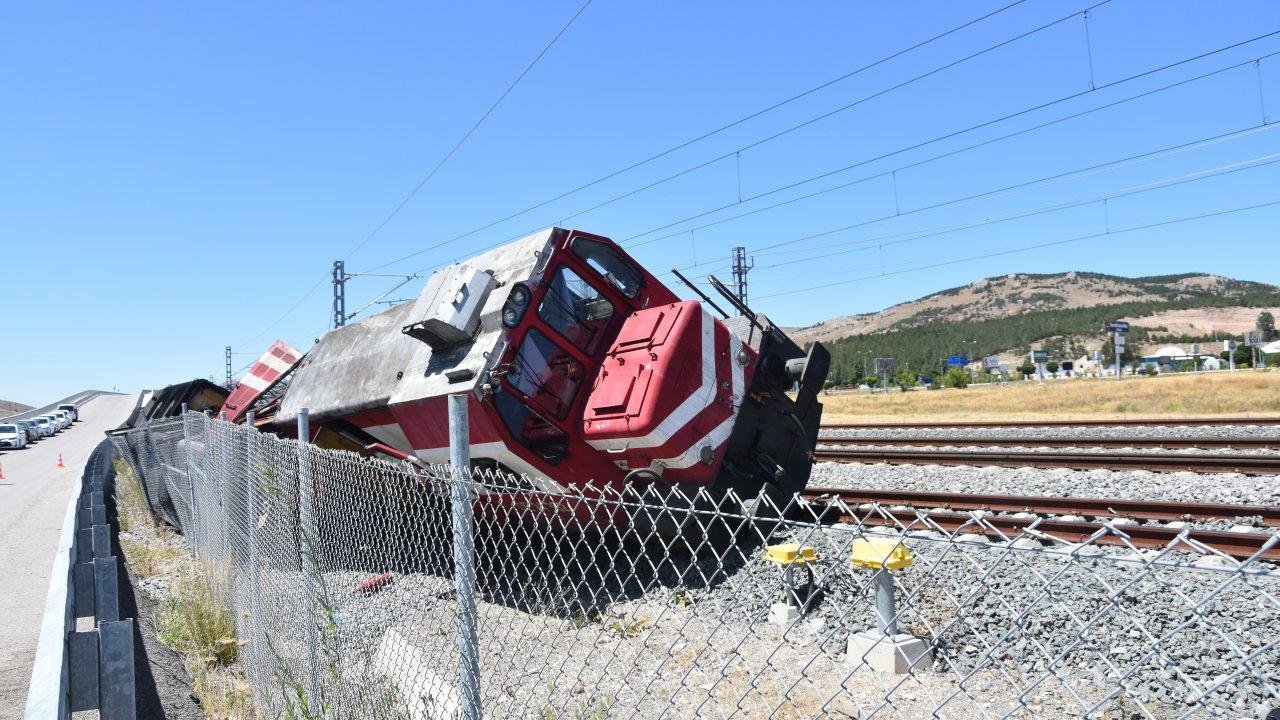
[367, 588]
[91, 669]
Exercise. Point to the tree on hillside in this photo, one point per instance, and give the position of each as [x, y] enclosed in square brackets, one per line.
[1267, 326]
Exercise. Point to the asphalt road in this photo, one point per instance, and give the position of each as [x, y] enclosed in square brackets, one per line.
[33, 501]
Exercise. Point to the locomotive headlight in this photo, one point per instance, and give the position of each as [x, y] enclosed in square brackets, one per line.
[519, 296]
[510, 317]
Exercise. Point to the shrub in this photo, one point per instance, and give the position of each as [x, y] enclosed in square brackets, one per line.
[955, 378]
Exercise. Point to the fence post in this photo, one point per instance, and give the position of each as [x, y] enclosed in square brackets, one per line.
[224, 485]
[251, 522]
[464, 569]
[193, 534]
[306, 558]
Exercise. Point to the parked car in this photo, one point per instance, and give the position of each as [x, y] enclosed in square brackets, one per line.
[71, 410]
[64, 418]
[32, 428]
[52, 423]
[12, 436]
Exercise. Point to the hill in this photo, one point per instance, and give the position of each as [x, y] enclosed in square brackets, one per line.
[8, 408]
[1062, 313]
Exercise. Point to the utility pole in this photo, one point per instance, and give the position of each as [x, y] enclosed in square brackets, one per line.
[740, 269]
[339, 293]
[228, 386]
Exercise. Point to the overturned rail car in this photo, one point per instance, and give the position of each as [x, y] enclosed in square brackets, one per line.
[582, 370]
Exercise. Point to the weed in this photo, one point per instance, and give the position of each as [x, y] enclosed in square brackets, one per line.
[195, 621]
[630, 628]
[149, 559]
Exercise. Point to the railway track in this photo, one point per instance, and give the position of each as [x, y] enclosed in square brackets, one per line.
[1064, 442]
[1114, 422]
[838, 505]
[1156, 462]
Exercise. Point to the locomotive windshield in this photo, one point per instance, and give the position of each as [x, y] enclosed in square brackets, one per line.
[576, 310]
[546, 374]
[604, 260]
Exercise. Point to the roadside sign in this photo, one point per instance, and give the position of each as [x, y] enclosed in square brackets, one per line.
[1039, 356]
[926, 379]
[1119, 343]
[991, 362]
[1253, 338]
[1229, 345]
[884, 366]
[1117, 326]
[957, 361]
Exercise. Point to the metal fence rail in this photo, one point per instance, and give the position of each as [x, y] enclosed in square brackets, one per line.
[648, 603]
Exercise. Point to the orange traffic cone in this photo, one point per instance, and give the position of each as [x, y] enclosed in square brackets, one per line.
[60, 461]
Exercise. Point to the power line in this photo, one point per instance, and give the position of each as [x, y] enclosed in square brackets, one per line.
[952, 134]
[872, 244]
[472, 130]
[437, 166]
[1020, 186]
[717, 130]
[1073, 174]
[823, 116]
[759, 142]
[1024, 248]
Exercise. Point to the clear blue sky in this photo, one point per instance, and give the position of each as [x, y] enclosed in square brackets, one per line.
[173, 177]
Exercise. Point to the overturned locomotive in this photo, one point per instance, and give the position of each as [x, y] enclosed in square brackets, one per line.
[583, 371]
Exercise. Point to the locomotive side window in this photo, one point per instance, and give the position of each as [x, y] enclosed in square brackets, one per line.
[546, 374]
[576, 310]
[606, 261]
[531, 429]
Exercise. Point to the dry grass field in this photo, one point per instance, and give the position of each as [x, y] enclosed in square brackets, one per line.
[1241, 393]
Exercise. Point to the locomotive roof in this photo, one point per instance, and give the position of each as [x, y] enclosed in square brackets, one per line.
[370, 363]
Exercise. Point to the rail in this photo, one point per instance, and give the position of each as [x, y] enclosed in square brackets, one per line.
[1203, 421]
[1169, 462]
[1215, 443]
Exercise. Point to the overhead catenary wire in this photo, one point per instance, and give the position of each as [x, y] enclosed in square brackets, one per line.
[1269, 202]
[475, 126]
[436, 168]
[955, 133]
[1070, 174]
[1074, 174]
[716, 131]
[940, 138]
[874, 243]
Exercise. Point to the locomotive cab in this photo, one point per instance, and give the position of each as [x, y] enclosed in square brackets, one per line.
[583, 370]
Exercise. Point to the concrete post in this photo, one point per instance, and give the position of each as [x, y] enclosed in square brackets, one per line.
[464, 571]
[306, 558]
[886, 610]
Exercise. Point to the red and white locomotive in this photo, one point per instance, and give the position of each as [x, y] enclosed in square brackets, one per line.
[582, 369]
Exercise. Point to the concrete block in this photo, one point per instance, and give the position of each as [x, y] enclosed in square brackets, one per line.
[424, 695]
[896, 654]
[783, 614]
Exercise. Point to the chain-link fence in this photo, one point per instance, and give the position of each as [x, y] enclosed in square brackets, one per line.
[640, 603]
